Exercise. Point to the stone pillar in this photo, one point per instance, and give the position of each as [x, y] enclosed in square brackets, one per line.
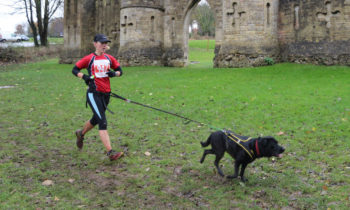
[174, 45]
[79, 25]
[108, 22]
[249, 33]
[141, 33]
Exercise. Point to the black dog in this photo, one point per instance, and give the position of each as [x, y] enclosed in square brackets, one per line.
[243, 149]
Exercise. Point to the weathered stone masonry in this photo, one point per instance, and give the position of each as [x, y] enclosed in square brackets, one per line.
[315, 31]
[155, 32]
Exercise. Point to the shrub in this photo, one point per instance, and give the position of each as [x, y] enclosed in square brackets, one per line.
[28, 54]
[269, 61]
[8, 55]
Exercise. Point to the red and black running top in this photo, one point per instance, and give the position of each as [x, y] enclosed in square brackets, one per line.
[97, 66]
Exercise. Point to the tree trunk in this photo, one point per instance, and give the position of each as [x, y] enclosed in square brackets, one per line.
[44, 41]
[29, 15]
[39, 18]
[43, 17]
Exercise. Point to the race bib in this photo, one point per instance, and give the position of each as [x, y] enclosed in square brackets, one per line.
[100, 68]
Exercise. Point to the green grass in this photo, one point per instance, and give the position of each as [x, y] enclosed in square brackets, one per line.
[201, 53]
[202, 44]
[52, 40]
[310, 104]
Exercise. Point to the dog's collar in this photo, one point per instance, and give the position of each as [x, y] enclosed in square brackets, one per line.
[257, 148]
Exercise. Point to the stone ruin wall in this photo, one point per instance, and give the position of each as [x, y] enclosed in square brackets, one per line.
[82, 20]
[315, 32]
[155, 32]
[108, 22]
[141, 34]
[249, 33]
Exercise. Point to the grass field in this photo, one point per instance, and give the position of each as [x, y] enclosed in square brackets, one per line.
[52, 40]
[306, 107]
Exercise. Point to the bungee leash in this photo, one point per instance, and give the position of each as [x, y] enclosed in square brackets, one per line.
[232, 136]
[167, 112]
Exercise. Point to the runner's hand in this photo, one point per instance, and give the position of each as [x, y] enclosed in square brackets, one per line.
[111, 73]
[87, 79]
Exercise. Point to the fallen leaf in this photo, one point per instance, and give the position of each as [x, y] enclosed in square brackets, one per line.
[147, 169]
[242, 184]
[47, 183]
[324, 187]
[147, 153]
[71, 180]
[178, 170]
[56, 198]
[280, 133]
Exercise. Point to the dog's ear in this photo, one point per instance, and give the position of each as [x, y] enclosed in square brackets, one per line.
[266, 140]
[263, 141]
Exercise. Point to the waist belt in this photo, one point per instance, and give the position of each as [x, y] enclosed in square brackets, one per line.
[103, 100]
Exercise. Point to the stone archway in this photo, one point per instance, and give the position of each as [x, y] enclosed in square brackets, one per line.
[192, 4]
[187, 18]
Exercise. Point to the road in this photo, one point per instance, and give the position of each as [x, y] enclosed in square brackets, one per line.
[16, 44]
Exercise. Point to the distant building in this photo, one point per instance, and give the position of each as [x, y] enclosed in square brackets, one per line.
[193, 27]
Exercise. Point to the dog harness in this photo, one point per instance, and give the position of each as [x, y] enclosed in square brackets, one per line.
[241, 141]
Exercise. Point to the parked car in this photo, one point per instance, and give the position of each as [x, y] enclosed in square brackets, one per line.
[24, 38]
[2, 40]
[11, 38]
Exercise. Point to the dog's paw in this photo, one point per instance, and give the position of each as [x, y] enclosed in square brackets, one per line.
[231, 177]
[244, 179]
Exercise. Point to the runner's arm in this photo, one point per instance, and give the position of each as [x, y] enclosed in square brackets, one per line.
[76, 72]
[118, 71]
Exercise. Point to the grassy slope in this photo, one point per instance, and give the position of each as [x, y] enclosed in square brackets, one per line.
[310, 104]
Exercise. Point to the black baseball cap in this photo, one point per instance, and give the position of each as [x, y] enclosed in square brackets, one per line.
[101, 38]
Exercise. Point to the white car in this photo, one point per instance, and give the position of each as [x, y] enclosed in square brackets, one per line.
[11, 38]
[24, 38]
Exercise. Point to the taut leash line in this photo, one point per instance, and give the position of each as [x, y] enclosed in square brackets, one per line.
[160, 110]
[231, 136]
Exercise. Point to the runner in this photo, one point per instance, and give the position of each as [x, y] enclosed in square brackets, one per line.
[98, 65]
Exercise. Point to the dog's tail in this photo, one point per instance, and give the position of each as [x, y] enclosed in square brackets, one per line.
[205, 144]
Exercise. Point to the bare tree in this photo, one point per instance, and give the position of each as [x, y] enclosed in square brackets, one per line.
[205, 17]
[38, 13]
